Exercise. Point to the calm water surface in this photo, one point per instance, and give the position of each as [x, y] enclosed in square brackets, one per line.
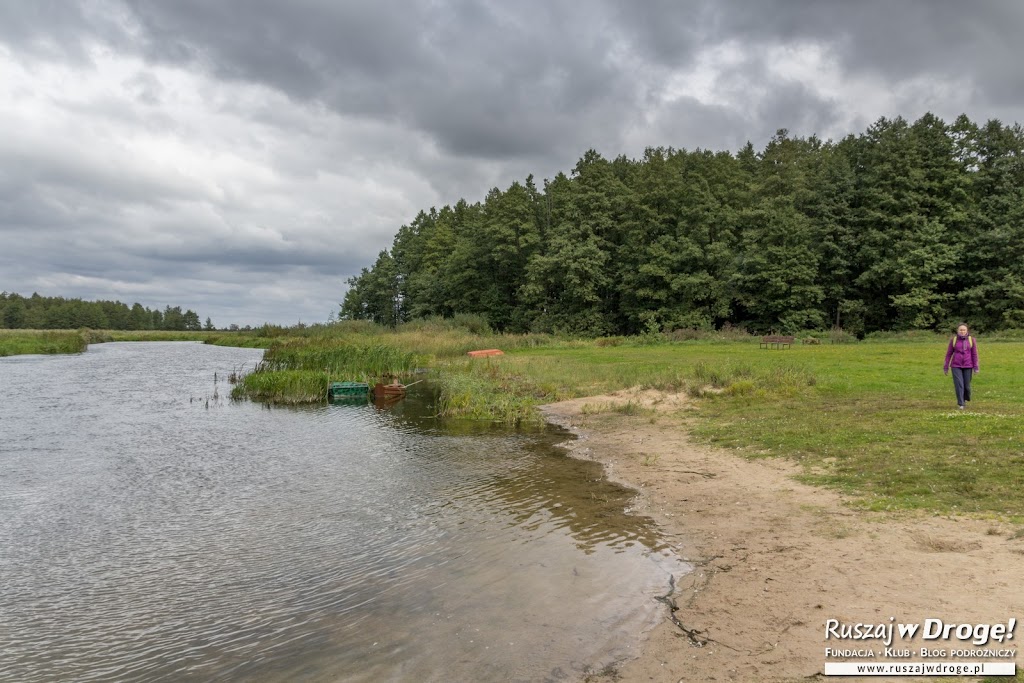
[153, 530]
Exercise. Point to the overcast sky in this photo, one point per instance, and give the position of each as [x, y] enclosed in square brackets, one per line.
[242, 158]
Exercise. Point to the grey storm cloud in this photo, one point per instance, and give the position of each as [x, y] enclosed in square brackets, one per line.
[244, 157]
[480, 81]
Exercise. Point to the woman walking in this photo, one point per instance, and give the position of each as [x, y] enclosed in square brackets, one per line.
[962, 357]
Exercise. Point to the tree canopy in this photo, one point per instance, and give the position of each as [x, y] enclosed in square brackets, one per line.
[907, 225]
[57, 313]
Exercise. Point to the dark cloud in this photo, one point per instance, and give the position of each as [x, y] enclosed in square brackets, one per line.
[252, 154]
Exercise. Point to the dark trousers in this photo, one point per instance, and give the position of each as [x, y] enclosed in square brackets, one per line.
[962, 384]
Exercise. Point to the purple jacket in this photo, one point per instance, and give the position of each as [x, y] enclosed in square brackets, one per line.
[963, 352]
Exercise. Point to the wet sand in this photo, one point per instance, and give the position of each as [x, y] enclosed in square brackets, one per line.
[776, 558]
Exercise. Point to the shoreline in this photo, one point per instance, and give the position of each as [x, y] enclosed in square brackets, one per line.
[774, 558]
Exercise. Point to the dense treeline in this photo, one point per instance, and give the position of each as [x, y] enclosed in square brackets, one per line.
[56, 313]
[907, 225]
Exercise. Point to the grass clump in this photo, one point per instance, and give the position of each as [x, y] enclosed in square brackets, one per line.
[632, 408]
[489, 392]
[283, 386]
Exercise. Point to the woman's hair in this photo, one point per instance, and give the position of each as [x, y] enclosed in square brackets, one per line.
[959, 325]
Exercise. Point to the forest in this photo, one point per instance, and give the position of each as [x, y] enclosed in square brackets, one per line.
[57, 313]
[904, 226]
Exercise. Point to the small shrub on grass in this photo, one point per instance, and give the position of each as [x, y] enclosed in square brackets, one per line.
[837, 335]
[472, 323]
[631, 408]
[728, 333]
[95, 336]
[609, 341]
[905, 336]
[720, 375]
[686, 334]
[741, 387]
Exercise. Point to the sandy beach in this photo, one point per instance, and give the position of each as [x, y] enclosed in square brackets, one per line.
[775, 559]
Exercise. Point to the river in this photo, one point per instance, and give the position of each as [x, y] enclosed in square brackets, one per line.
[152, 529]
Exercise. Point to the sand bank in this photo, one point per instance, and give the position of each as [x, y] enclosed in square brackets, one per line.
[775, 559]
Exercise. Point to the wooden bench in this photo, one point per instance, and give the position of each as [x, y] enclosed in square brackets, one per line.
[775, 341]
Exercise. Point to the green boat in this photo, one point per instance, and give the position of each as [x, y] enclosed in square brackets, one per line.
[348, 390]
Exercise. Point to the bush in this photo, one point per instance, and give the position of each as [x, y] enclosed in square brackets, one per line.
[727, 333]
[473, 323]
[838, 335]
[904, 335]
[609, 341]
[95, 336]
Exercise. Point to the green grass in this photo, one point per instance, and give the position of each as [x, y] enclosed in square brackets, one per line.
[300, 370]
[877, 420]
[19, 342]
[341, 357]
[284, 386]
[482, 390]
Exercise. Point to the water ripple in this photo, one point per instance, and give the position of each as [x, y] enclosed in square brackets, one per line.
[145, 536]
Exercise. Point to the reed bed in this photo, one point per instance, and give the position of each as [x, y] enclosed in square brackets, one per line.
[19, 342]
[300, 370]
[341, 358]
[488, 391]
[290, 387]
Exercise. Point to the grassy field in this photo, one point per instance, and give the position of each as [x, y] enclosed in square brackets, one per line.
[878, 420]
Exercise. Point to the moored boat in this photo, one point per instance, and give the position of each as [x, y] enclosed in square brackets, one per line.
[393, 390]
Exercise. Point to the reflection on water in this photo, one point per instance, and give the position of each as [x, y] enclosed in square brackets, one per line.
[150, 529]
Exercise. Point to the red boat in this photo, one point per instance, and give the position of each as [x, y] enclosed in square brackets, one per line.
[393, 390]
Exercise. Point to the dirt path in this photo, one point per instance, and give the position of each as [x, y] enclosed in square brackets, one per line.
[774, 559]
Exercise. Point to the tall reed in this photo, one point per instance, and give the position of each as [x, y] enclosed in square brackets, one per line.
[283, 386]
[18, 342]
[340, 358]
[300, 370]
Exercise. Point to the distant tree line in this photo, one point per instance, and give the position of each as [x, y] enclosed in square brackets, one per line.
[907, 225]
[56, 313]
